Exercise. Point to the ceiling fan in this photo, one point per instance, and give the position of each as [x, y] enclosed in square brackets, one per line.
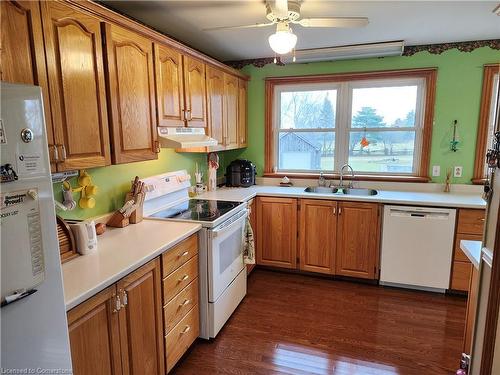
[282, 13]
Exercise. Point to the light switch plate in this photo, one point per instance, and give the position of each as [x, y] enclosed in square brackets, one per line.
[457, 171]
[436, 171]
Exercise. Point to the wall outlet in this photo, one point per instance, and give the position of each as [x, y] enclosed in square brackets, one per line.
[436, 171]
[457, 171]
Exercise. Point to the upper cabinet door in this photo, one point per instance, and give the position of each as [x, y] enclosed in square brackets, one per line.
[215, 95]
[195, 94]
[22, 53]
[169, 86]
[131, 95]
[357, 240]
[76, 79]
[231, 111]
[242, 113]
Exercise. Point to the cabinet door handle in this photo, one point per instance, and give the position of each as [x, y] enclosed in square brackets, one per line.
[125, 299]
[63, 152]
[340, 210]
[118, 304]
[186, 330]
[56, 153]
[185, 253]
[186, 302]
[335, 210]
[157, 147]
[184, 278]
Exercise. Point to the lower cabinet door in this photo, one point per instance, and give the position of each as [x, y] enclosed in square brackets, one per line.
[141, 326]
[277, 232]
[358, 231]
[94, 335]
[317, 233]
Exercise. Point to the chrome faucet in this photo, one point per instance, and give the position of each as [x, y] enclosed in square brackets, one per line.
[341, 182]
[321, 179]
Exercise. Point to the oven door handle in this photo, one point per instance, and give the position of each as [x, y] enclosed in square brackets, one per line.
[219, 232]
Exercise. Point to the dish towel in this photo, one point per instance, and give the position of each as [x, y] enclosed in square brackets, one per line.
[249, 250]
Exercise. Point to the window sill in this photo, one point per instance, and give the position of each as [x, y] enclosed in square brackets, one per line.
[359, 177]
[478, 181]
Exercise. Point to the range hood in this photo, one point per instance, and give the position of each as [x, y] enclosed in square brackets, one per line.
[184, 138]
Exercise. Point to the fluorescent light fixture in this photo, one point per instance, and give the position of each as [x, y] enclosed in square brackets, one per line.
[284, 40]
[355, 51]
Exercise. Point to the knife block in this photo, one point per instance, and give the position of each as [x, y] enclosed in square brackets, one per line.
[118, 220]
[137, 215]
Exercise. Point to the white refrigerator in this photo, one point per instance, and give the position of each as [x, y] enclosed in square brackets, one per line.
[34, 333]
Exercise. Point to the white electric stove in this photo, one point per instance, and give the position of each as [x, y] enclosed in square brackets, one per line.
[222, 273]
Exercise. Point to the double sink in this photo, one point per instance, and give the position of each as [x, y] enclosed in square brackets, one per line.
[340, 191]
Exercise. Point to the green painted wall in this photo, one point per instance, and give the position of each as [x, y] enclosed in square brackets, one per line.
[457, 97]
[114, 181]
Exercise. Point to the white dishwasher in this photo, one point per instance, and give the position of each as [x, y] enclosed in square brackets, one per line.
[417, 247]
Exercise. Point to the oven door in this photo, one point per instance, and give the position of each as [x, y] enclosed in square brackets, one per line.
[225, 254]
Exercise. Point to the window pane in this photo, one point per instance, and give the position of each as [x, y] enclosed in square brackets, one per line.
[308, 109]
[306, 151]
[384, 107]
[384, 152]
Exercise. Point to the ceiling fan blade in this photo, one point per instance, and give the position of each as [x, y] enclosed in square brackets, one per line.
[333, 22]
[255, 25]
[281, 8]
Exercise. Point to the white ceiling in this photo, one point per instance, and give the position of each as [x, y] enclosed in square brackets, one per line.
[415, 22]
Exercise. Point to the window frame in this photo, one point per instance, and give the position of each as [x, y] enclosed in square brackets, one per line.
[425, 100]
[485, 111]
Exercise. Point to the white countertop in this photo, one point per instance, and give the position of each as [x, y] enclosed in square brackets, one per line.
[436, 199]
[119, 252]
[472, 249]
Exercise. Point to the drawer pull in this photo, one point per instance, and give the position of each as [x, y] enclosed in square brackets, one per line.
[186, 330]
[184, 278]
[482, 219]
[185, 253]
[186, 302]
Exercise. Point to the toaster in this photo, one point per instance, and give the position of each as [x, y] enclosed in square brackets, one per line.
[240, 173]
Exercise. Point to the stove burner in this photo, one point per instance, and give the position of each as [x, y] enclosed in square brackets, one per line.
[197, 210]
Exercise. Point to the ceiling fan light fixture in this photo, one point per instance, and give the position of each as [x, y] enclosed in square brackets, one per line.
[283, 40]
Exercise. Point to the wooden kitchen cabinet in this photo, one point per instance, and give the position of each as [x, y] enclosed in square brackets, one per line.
[141, 324]
[73, 46]
[169, 86]
[23, 55]
[120, 330]
[131, 96]
[94, 335]
[358, 235]
[277, 232]
[470, 225]
[231, 100]
[317, 235]
[215, 100]
[195, 92]
[242, 113]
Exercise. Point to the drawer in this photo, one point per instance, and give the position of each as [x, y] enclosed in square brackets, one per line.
[179, 254]
[179, 279]
[460, 276]
[182, 336]
[178, 307]
[471, 221]
[459, 254]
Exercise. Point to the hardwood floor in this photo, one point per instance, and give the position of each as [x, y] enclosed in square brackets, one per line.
[296, 324]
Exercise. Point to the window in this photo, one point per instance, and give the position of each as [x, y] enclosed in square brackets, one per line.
[487, 119]
[376, 122]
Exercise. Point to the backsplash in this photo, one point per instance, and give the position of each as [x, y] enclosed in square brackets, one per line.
[114, 181]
